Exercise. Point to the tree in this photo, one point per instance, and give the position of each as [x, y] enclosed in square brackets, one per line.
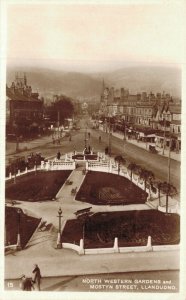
[60, 109]
[169, 190]
[147, 176]
[120, 160]
[133, 168]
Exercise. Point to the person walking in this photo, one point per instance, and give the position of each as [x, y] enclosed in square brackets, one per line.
[37, 276]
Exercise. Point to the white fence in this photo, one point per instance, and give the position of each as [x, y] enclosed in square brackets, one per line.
[19, 173]
[50, 165]
[53, 165]
[110, 166]
[116, 249]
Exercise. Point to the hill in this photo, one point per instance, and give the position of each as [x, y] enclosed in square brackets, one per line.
[49, 82]
[87, 85]
[140, 79]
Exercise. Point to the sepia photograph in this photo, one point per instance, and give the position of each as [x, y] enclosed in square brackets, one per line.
[92, 114]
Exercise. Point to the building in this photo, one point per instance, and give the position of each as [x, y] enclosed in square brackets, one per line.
[156, 114]
[24, 109]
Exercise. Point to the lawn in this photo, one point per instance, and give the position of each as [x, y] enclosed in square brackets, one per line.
[131, 227]
[104, 188]
[41, 186]
[27, 226]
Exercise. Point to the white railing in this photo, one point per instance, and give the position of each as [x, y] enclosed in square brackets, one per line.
[19, 173]
[110, 166]
[53, 165]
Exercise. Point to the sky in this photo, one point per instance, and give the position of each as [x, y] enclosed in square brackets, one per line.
[94, 37]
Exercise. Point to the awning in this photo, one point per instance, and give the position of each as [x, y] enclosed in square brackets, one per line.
[150, 135]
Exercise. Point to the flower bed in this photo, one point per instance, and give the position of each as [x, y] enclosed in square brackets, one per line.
[101, 188]
[131, 227]
[40, 186]
[27, 226]
[86, 156]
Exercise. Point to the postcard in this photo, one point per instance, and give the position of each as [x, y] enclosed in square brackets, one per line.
[92, 195]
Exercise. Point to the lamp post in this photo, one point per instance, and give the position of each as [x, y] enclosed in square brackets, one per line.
[18, 245]
[169, 160]
[85, 138]
[164, 138]
[59, 244]
[109, 138]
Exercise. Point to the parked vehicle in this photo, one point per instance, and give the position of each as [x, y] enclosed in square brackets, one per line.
[152, 149]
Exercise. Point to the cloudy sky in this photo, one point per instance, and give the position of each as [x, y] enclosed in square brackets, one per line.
[98, 37]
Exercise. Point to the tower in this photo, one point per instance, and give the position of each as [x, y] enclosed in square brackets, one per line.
[25, 79]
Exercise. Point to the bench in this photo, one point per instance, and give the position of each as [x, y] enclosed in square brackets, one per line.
[68, 182]
[81, 211]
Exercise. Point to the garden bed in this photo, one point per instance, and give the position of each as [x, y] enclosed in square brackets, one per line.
[27, 226]
[101, 188]
[86, 156]
[40, 186]
[131, 227]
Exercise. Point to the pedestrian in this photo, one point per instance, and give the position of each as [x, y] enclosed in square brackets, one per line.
[99, 139]
[58, 155]
[37, 276]
[26, 283]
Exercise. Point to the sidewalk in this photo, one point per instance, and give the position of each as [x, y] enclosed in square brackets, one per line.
[145, 146]
[30, 144]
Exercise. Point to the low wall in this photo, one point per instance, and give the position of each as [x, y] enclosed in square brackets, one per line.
[115, 249]
[53, 165]
[22, 173]
[110, 167]
[71, 246]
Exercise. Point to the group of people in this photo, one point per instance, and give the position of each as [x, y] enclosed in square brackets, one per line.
[29, 283]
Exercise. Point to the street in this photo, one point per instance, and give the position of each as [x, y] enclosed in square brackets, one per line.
[156, 163]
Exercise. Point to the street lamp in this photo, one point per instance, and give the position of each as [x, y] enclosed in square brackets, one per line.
[59, 244]
[109, 141]
[18, 246]
[164, 137]
[85, 138]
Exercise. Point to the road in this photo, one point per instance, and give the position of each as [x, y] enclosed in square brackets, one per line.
[156, 163]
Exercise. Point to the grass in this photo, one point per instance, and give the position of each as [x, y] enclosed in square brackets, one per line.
[131, 227]
[104, 188]
[32, 187]
[27, 226]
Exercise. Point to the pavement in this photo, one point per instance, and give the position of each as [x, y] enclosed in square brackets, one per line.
[140, 144]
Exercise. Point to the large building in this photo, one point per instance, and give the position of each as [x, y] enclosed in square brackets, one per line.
[157, 113]
[23, 107]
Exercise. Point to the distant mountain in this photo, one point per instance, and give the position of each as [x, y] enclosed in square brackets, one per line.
[49, 82]
[140, 79]
[81, 85]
